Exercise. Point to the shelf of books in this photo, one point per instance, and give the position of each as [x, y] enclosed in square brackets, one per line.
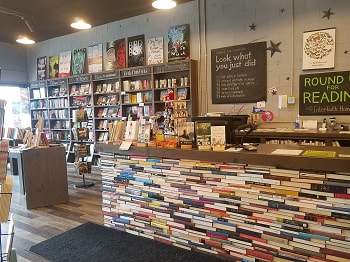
[136, 92]
[106, 92]
[39, 104]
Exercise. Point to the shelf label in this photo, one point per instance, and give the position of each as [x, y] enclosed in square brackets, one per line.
[141, 104]
[135, 72]
[105, 76]
[123, 93]
[172, 67]
[56, 82]
[38, 84]
[77, 79]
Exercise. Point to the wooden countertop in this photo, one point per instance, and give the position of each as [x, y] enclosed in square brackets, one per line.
[262, 156]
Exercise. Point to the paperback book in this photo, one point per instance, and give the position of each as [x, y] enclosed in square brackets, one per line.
[131, 132]
[136, 51]
[64, 64]
[110, 63]
[120, 53]
[179, 42]
[78, 61]
[95, 58]
[186, 135]
[218, 138]
[41, 68]
[155, 50]
[203, 135]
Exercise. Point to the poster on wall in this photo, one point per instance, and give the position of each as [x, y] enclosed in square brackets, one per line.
[64, 64]
[179, 42]
[136, 51]
[95, 58]
[78, 64]
[319, 49]
[120, 53]
[155, 51]
[41, 63]
[324, 94]
[239, 74]
[110, 56]
[53, 66]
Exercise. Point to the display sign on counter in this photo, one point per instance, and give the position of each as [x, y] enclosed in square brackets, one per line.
[324, 94]
[239, 73]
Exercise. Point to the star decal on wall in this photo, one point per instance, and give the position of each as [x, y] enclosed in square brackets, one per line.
[346, 52]
[274, 48]
[252, 27]
[274, 92]
[282, 10]
[287, 78]
[327, 14]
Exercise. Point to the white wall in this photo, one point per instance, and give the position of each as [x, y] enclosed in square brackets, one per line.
[13, 64]
[227, 25]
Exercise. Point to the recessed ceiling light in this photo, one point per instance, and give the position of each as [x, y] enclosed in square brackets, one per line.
[80, 24]
[25, 40]
[164, 4]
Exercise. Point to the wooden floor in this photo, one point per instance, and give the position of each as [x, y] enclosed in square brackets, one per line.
[36, 225]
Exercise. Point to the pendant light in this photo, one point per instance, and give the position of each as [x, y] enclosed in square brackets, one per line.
[25, 40]
[164, 4]
[80, 24]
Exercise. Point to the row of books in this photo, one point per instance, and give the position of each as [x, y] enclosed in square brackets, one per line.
[107, 100]
[249, 213]
[59, 124]
[107, 88]
[59, 135]
[82, 101]
[141, 97]
[108, 112]
[36, 114]
[181, 94]
[58, 91]
[37, 104]
[59, 102]
[138, 111]
[103, 137]
[88, 110]
[59, 113]
[295, 143]
[102, 125]
[39, 93]
[136, 85]
[80, 89]
[14, 133]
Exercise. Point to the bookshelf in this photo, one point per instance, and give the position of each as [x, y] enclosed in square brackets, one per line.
[109, 96]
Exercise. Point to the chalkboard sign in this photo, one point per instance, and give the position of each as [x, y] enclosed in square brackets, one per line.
[79, 79]
[239, 73]
[135, 72]
[56, 82]
[38, 85]
[105, 76]
[324, 94]
[171, 67]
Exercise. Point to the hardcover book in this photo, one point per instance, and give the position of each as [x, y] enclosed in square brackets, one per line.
[120, 53]
[136, 51]
[64, 64]
[155, 50]
[41, 68]
[179, 42]
[78, 61]
[186, 135]
[218, 138]
[95, 58]
[203, 136]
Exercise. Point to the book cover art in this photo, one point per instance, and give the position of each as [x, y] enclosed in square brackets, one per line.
[179, 42]
[41, 68]
[53, 66]
[120, 53]
[64, 64]
[136, 51]
[95, 58]
[155, 50]
[79, 56]
[218, 138]
[186, 134]
[203, 135]
[182, 93]
[110, 62]
[131, 131]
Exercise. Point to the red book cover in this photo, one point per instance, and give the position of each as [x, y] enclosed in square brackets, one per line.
[258, 254]
[120, 53]
[346, 196]
[252, 238]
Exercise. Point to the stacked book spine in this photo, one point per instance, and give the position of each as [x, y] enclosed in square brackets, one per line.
[242, 212]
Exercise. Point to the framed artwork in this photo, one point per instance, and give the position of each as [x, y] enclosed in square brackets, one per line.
[41, 68]
[155, 51]
[136, 51]
[179, 42]
[319, 49]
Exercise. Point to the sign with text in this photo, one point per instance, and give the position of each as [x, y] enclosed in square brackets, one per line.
[239, 74]
[324, 94]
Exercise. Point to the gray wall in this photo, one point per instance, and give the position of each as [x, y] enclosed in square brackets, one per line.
[13, 64]
[227, 24]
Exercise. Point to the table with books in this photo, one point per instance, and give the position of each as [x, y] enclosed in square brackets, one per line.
[277, 203]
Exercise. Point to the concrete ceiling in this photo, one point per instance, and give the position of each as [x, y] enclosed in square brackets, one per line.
[51, 18]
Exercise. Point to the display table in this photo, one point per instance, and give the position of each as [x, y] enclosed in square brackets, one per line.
[42, 175]
[242, 205]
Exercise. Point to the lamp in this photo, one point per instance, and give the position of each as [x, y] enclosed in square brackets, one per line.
[80, 24]
[25, 40]
[164, 4]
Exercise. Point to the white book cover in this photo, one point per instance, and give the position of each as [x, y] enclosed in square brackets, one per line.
[155, 50]
[65, 64]
[131, 131]
[218, 137]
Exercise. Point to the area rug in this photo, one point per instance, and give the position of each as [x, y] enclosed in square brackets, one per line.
[92, 242]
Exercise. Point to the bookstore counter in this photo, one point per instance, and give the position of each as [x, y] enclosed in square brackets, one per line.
[278, 203]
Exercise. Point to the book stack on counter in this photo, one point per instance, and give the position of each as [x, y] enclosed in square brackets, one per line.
[249, 213]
